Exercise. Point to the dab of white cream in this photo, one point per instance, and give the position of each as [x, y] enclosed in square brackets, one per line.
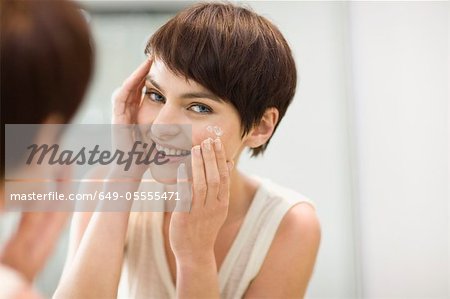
[215, 129]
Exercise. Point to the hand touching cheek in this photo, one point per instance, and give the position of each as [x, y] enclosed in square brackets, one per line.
[193, 234]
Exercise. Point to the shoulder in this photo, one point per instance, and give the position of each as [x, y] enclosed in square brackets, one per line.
[284, 195]
[300, 231]
[300, 226]
[294, 249]
[299, 217]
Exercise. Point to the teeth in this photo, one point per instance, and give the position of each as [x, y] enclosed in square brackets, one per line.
[171, 151]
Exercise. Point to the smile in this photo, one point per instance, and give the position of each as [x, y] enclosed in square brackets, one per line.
[172, 151]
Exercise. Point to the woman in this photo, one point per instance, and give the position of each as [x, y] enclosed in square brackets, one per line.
[229, 75]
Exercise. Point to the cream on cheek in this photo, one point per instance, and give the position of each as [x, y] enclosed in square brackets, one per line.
[231, 143]
[212, 132]
[216, 130]
[201, 133]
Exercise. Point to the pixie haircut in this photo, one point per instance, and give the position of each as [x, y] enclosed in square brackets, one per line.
[238, 55]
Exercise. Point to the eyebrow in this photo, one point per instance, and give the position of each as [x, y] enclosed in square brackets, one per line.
[189, 95]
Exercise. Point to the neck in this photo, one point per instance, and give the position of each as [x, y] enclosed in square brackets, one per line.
[242, 191]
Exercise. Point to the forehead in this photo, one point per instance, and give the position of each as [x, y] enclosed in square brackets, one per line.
[167, 79]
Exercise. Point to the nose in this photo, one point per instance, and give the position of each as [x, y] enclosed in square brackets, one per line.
[167, 123]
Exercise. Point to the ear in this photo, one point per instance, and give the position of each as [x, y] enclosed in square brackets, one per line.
[264, 129]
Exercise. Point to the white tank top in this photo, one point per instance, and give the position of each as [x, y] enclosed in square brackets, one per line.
[146, 272]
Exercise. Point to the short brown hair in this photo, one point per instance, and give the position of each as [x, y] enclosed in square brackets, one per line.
[46, 63]
[238, 55]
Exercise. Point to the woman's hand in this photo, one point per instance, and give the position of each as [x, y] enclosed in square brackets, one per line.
[126, 104]
[127, 99]
[193, 235]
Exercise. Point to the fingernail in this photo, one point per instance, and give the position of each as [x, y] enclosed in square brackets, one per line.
[207, 144]
[196, 150]
[217, 144]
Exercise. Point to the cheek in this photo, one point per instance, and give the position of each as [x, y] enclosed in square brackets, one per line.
[198, 135]
[146, 114]
[202, 131]
[229, 137]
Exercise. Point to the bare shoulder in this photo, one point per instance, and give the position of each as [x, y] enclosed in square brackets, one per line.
[299, 231]
[301, 222]
[289, 264]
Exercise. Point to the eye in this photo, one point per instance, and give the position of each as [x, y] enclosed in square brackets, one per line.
[154, 96]
[200, 108]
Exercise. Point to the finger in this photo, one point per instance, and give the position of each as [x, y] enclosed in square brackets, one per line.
[137, 94]
[183, 189]
[133, 84]
[211, 171]
[118, 106]
[133, 81]
[224, 173]
[140, 94]
[198, 179]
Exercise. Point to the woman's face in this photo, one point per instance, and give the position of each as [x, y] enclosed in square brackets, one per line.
[178, 114]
